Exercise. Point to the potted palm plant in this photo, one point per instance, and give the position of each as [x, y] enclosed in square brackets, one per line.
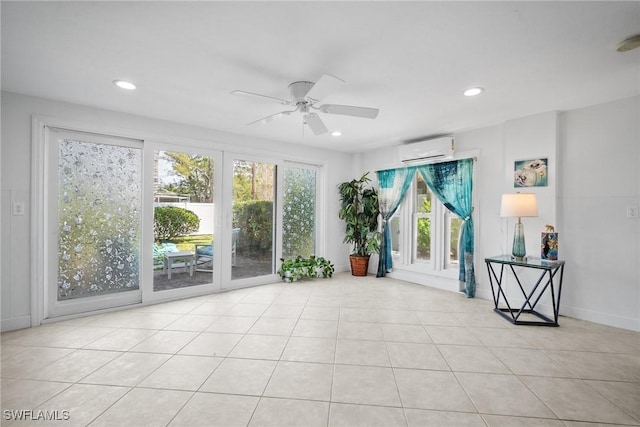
[359, 210]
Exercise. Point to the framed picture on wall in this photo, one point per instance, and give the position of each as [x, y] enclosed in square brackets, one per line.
[530, 173]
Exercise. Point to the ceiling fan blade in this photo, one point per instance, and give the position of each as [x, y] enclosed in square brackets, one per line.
[324, 86]
[245, 93]
[348, 110]
[315, 123]
[272, 117]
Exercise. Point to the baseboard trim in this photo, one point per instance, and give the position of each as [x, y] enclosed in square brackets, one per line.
[15, 323]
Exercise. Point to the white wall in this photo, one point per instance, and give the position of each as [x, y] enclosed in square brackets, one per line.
[17, 112]
[594, 164]
[600, 179]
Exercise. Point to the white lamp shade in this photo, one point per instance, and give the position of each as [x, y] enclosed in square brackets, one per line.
[518, 204]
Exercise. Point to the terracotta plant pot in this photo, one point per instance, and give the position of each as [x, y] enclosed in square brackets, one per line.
[359, 265]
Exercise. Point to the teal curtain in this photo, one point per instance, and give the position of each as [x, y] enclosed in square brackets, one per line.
[452, 183]
[393, 186]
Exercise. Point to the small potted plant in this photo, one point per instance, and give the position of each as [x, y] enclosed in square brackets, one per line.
[359, 210]
[292, 270]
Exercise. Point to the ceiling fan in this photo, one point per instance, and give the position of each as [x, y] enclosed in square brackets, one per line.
[305, 97]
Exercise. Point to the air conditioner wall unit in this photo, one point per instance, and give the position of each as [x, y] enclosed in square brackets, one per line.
[427, 151]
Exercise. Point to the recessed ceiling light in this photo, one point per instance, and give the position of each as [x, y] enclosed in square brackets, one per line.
[123, 84]
[473, 91]
[336, 133]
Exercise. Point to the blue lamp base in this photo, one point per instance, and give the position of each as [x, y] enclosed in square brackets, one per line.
[519, 250]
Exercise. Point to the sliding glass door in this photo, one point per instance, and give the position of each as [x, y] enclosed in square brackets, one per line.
[94, 222]
[127, 221]
[251, 243]
[184, 225]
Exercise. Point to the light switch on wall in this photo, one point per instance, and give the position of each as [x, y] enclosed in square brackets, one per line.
[18, 208]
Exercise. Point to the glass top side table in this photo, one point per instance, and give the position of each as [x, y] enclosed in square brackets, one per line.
[549, 282]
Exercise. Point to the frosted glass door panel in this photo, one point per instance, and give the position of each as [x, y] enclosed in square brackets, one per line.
[299, 213]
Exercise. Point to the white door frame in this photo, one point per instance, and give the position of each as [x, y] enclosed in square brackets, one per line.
[148, 295]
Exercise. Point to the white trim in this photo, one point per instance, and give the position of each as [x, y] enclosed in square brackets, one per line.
[14, 323]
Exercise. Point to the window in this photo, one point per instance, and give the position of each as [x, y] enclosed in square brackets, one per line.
[425, 234]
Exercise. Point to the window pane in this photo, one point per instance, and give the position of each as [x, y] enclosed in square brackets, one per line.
[299, 213]
[423, 196]
[423, 244]
[252, 236]
[99, 222]
[454, 238]
[395, 235]
[183, 191]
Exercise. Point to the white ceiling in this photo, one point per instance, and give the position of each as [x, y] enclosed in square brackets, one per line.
[410, 59]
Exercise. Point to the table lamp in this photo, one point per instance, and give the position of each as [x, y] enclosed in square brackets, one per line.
[519, 205]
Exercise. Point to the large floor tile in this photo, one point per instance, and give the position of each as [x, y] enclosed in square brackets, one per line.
[452, 335]
[240, 376]
[360, 331]
[27, 394]
[405, 317]
[122, 339]
[439, 390]
[211, 344]
[304, 349]
[346, 415]
[84, 402]
[165, 342]
[500, 337]
[598, 366]
[182, 373]
[320, 313]
[192, 322]
[249, 310]
[404, 333]
[143, 406]
[572, 399]
[290, 413]
[260, 347]
[129, 369]
[284, 311]
[437, 318]
[370, 353]
[416, 356]
[348, 314]
[527, 361]
[216, 410]
[624, 395]
[502, 395]
[422, 418]
[75, 366]
[464, 358]
[367, 385]
[23, 364]
[232, 325]
[273, 326]
[300, 380]
[316, 328]
[506, 421]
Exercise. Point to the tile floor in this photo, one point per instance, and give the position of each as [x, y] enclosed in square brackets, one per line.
[340, 352]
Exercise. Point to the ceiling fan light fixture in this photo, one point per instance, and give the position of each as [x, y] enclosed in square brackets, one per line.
[123, 84]
[629, 44]
[474, 91]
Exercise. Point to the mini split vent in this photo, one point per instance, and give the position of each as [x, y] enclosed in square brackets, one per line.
[427, 151]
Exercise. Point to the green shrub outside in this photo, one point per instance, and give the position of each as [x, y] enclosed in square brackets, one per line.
[170, 222]
[255, 221]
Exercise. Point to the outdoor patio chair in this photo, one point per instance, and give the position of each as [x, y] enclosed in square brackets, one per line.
[204, 252]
